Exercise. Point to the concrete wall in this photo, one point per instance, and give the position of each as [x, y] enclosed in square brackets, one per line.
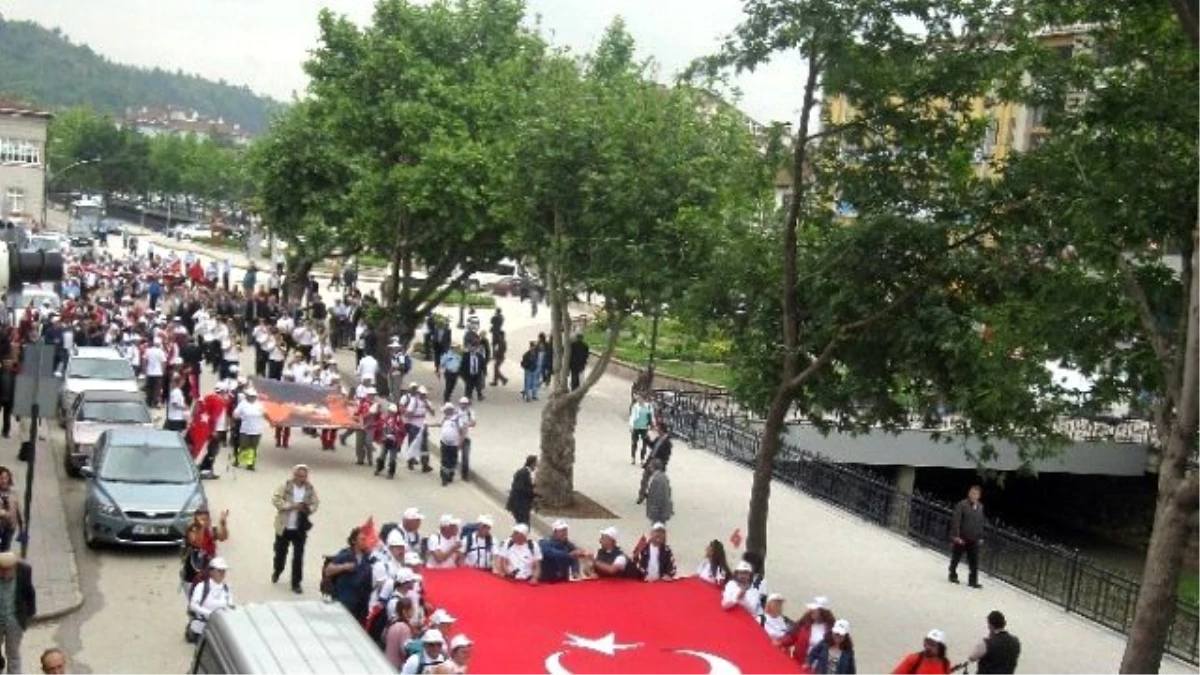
[919, 448]
[30, 179]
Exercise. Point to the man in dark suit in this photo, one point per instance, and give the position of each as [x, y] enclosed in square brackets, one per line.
[660, 450]
[16, 582]
[578, 359]
[474, 370]
[521, 494]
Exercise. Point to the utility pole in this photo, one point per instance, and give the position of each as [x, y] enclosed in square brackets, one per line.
[36, 390]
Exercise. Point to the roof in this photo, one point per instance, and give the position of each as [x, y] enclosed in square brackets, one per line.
[125, 436]
[10, 106]
[97, 353]
[93, 395]
[308, 636]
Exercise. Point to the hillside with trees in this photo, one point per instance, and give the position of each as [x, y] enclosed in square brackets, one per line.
[43, 66]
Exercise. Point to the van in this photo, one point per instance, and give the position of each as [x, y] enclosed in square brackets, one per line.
[309, 636]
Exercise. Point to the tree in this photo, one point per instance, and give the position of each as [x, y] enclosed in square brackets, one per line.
[80, 135]
[1100, 224]
[863, 305]
[622, 187]
[304, 180]
[423, 101]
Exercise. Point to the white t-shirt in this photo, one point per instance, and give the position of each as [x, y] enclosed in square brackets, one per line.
[219, 596]
[293, 519]
[443, 545]
[479, 552]
[176, 406]
[413, 665]
[367, 368]
[156, 358]
[521, 557]
[711, 574]
[451, 430]
[777, 626]
[253, 417]
[749, 602]
[654, 564]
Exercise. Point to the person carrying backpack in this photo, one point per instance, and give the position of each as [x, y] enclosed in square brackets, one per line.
[479, 548]
[207, 597]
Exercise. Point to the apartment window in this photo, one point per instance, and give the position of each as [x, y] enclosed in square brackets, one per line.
[14, 201]
[20, 151]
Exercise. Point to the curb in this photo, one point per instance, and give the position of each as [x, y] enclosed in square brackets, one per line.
[60, 613]
[488, 488]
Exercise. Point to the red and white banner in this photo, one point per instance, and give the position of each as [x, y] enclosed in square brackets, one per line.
[601, 626]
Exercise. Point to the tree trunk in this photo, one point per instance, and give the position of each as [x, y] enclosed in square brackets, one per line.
[764, 469]
[295, 280]
[556, 466]
[1160, 583]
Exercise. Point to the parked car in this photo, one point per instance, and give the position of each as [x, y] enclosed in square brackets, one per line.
[189, 231]
[143, 489]
[50, 242]
[94, 369]
[42, 297]
[95, 412]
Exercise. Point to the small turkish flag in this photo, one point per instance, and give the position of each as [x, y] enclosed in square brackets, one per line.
[736, 538]
[370, 534]
[614, 626]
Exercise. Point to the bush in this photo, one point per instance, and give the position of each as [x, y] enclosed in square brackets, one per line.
[476, 300]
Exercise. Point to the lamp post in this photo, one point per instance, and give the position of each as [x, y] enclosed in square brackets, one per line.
[462, 307]
[48, 176]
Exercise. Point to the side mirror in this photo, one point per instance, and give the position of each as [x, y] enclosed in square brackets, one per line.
[86, 471]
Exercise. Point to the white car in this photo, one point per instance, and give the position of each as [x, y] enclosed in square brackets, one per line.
[484, 280]
[50, 242]
[190, 231]
[95, 369]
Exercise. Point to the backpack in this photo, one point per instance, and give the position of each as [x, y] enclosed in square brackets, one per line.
[326, 581]
[468, 535]
[203, 596]
[379, 622]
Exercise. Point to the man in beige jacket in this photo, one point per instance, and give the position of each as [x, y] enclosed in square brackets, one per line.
[295, 502]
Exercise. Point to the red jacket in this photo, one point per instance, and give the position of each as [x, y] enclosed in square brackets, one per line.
[917, 662]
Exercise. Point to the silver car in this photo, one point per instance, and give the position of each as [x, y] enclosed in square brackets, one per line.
[143, 489]
[92, 414]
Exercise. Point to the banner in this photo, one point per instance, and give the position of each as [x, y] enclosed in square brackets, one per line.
[601, 626]
[288, 404]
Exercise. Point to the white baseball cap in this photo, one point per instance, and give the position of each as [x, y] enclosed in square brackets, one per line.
[218, 563]
[560, 524]
[446, 520]
[658, 526]
[395, 538]
[459, 641]
[744, 567]
[447, 406]
[775, 596]
[486, 520]
[413, 513]
[937, 636]
[422, 390]
[433, 636]
[464, 399]
[841, 627]
[441, 616]
[610, 532]
[520, 528]
[819, 602]
[405, 576]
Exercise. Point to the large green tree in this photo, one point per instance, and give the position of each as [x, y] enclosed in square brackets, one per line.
[622, 187]
[863, 301]
[1099, 231]
[424, 100]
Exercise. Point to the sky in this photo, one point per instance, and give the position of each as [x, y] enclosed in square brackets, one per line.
[262, 43]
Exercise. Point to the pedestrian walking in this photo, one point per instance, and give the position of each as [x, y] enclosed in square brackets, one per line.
[578, 359]
[474, 372]
[20, 606]
[206, 597]
[349, 573]
[834, 654]
[295, 503]
[659, 505]
[660, 450]
[641, 416]
[499, 350]
[450, 364]
[529, 364]
[12, 523]
[966, 535]
[450, 441]
[8, 389]
[466, 422]
[999, 651]
[253, 420]
[521, 494]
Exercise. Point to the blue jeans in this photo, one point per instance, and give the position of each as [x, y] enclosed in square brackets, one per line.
[531, 385]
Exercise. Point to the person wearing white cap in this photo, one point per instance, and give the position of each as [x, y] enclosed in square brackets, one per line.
[466, 422]
[479, 548]
[387, 567]
[560, 556]
[739, 592]
[392, 424]
[610, 560]
[399, 365]
[16, 583]
[931, 660]
[653, 556]
[432, 654]
[460, 657]
[451, 438]
[445, 548]
[207, 597]
[777, 626]
[416, 415]
[520, 557]
[812, 626]
[410, 527]
[253, 418]
[834, 654]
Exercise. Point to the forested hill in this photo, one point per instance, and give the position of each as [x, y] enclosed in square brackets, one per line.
[43, 66]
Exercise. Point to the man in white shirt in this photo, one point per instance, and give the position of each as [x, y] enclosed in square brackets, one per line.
[466, 422]
[450, 440]
[155, 363]
[275, 356]
[367, 368]
[415, 416]
[177, 408]
[387, 567]
[253, 420]
[520, 558]
[433, 653]
[207, 597]
[773, 621]
[445, 547]
[739, 592]
[479, 549]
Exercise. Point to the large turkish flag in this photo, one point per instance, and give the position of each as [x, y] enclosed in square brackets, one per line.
[601, 626]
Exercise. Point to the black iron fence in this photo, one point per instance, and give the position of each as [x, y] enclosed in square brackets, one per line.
[1054, 573]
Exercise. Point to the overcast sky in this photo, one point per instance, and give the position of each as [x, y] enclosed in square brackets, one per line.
[262, 43]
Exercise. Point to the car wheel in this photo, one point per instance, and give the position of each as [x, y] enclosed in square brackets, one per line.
[89, 539]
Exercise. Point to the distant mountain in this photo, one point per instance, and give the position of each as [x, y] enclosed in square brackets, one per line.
[43, 66]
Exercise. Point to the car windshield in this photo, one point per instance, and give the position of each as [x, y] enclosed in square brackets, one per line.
[21, 300]
[146, 464]
[100, 369]
[128, 412]
[44, 244]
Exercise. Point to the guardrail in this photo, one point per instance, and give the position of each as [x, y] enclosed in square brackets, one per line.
[1049, 571]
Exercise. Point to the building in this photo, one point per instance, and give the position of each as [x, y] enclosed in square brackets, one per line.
[176, 121]
[22, 160]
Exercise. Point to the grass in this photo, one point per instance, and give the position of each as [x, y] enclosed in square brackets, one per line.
[476, 300]
[1189, 587]
[679, 353]
[220, 242]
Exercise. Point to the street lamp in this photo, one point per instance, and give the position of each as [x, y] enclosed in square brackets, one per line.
[47, 177]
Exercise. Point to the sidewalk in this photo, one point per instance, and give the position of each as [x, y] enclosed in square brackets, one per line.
[51, 553]
[892, 591]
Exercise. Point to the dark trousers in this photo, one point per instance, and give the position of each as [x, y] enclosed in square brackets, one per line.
[275, 370]
[464, 460]
[473, 385]
[387, 456]
[451, 385]
[153, 389]
[6, 411]
[971, 548]
[260, 362]
[296, 538]
[497, 376]
[225, 282]
[449, 463]
[175, 425]
[639, 437]
[210, 453]
[575, 376]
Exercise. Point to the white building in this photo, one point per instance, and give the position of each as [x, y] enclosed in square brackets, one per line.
[22, 160]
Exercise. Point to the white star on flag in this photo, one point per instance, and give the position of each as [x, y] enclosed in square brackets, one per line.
[606, 645]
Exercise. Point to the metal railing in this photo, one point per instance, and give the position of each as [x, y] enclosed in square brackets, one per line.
[1051, 572]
